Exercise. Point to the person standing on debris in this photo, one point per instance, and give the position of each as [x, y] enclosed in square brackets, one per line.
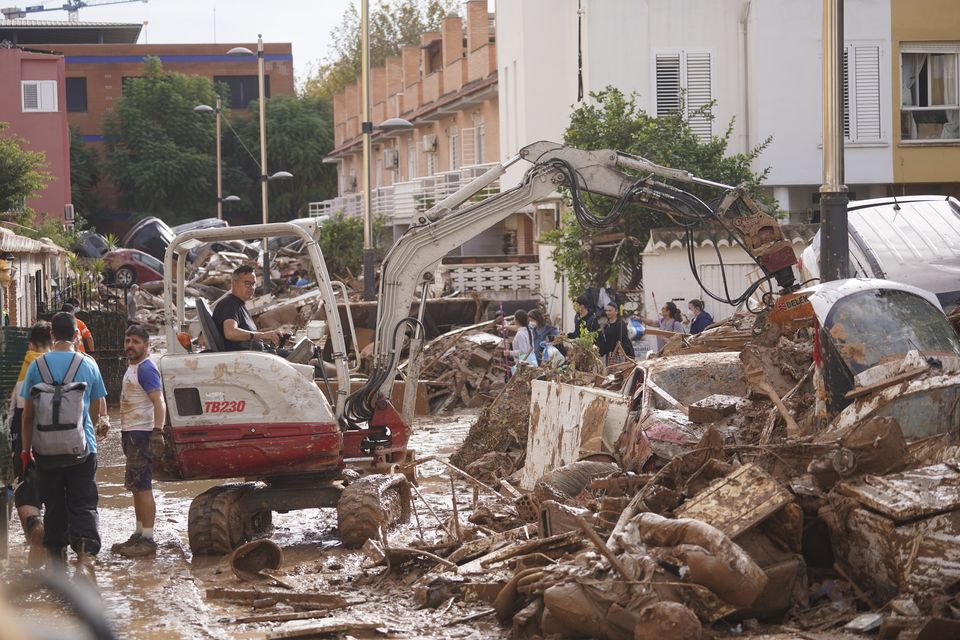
[585, 321]
[131, 300]
[670, 320]
[543, 332]
[701, 319]
[142, 414]
[68, 485]
[614, 333]
[83, 337]
[26, 496]
[234, 321]
[522, 347]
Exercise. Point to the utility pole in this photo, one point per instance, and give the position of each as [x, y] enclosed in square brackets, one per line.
[369, 261]
[834, 241]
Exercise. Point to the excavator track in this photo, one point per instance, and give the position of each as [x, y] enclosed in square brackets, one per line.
[370, 505]
[218, 524]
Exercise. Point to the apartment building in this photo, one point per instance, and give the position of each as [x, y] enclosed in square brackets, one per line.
[32, 88]
[447, 87]
[761, 61]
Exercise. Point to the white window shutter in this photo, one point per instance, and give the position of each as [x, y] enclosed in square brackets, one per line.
[468, 135]
[48, 96]
[31, 96]
[668, 84]
[699, 92]
[867, 92]
[847, 91]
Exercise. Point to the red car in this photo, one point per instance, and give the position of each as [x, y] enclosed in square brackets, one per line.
[128, 266]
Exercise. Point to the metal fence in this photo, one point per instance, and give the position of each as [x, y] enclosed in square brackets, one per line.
[92, 296]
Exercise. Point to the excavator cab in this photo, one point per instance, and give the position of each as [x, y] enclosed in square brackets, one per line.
[265, 418]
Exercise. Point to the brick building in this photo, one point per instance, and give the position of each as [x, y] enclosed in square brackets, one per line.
[447, 87]
[98, 56]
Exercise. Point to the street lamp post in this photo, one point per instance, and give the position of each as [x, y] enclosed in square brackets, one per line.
[369, 266]
[264, 177]
[204, 108]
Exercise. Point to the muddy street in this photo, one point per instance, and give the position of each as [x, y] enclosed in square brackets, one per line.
[164, 598]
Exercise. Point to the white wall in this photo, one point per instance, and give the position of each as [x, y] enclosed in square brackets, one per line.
[784, 50]
[537, 59]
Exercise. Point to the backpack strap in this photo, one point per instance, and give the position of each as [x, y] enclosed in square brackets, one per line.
[74, 368]
[45, 374]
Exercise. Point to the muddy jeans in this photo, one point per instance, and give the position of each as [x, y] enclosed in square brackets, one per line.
[70, 496]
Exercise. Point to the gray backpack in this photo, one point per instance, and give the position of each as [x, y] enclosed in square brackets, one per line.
[59, 410]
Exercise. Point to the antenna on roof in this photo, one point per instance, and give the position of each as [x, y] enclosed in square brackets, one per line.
[896, 205]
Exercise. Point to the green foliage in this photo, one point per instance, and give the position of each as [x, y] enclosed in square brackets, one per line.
[614, 121]
[341, 241]
[84, 174]
[159, 153]
[22, 172]
[299, 135]
[393, 23]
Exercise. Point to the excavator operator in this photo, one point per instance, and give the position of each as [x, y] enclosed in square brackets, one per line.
[234, 322]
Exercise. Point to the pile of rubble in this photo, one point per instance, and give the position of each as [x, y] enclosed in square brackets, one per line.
[725, 504]
[463, 369]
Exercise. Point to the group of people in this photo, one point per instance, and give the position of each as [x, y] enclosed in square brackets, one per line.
[614, 337]
[60, 414]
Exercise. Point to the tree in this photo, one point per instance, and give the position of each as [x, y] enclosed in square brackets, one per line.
[22, 172]
[84, 175]
[299, 136]
[159, 153]
[393, 23]
[590, 257]
[341, 242]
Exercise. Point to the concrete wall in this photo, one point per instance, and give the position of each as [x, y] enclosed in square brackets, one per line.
[785, 71]
[537, 47]
[46, 132]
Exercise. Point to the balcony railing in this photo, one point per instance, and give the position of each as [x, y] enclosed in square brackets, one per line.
[404, 201]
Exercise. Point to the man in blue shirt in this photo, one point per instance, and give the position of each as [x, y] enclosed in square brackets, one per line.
[68, 485]
[701, 319]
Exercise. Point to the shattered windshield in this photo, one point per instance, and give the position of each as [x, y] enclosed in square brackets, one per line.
[873, 327]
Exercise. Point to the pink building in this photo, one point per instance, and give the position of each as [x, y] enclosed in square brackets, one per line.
[33, 102]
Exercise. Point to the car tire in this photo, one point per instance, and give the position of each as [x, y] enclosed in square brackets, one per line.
[125, 277]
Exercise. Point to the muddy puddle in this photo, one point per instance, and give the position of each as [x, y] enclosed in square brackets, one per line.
[164, 597]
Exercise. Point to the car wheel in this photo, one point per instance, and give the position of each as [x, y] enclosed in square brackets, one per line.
[125, 276]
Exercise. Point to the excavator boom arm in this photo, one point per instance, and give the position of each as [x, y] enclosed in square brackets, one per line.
[447, 225]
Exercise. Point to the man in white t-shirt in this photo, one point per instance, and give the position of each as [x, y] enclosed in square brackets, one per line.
[142, 411]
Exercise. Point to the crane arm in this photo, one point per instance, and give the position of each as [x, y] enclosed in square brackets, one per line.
[447, 225]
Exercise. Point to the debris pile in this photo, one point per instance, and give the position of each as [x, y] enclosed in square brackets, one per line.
[463, 370]
[728, 502]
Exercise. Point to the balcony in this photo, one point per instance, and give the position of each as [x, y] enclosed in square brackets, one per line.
[432, 87]
[403, 202]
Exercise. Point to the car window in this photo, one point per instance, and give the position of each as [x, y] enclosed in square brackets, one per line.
[872, 327]
[151, 262]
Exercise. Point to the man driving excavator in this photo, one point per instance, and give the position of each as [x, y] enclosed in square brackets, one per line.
[233, 321]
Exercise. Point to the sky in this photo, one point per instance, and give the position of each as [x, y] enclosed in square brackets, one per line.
[304, 23]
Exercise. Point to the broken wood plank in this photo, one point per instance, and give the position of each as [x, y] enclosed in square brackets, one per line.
[883, 384]
[325, 627]
[284, 617]
[249, 596]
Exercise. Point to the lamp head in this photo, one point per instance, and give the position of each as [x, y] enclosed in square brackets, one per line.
[394, 124]
[240, 51]
[281, 175]
[204, 108]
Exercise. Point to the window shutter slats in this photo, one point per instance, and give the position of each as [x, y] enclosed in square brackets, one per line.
[668, 84]
[699, 92]
[846, 93]
[867, 74]
[468, 136]
[31, 96]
